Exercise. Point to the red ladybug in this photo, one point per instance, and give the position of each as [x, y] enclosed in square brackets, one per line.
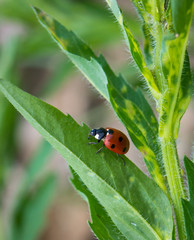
[114, 140]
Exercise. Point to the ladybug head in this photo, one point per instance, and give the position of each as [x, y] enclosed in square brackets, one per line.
[98, 133]
[93, 132]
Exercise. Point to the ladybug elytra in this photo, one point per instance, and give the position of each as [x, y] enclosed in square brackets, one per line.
[114, 140]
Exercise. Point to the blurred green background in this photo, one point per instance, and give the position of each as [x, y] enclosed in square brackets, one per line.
[37, 200]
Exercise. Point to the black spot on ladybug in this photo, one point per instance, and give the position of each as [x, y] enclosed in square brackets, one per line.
[124, 149]
[110, 131]
[112, 146]
[120, 139]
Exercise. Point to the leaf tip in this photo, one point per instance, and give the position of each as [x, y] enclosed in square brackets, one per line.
[38, 12]
[35, 9]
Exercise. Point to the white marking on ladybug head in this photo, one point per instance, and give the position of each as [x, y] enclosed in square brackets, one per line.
[97, 136]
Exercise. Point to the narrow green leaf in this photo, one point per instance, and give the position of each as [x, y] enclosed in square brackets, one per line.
[99, 74]
[178, 95]
[79, 53]
[184, 94]
[148, 44]
[150, 10]
[30, 214]
[175, 62]
[151, 13]
[8, 55]
[182, 12]
[168, 16]
[173, 57]
[136, 114]
[102, 225]
[34, 197]
[134, 48]
[188, 206]
[36, 165]
[138, 208]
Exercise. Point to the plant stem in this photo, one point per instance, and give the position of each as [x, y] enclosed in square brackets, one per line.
[175, 181]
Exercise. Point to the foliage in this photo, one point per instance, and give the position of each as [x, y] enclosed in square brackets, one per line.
[136, 211]
[188, 206]
[28, 49]
[124, 202]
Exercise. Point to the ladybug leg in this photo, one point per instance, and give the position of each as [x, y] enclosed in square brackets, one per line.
[89, 136]
[94, 142]
[121, 158]
[100, 149]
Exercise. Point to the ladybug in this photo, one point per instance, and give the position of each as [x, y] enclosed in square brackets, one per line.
[114, 140]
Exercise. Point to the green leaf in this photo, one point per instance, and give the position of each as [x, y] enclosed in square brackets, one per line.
[36, 165]
[178, 94]
[168, 16]
[148, 44]
[173, 104]
[134, 48]
[151, 13]
[99, 74]
[89, 19]
[138, 117]
[34, 198]
[182, 12]
[79, 53]
[150, 10]
[30, 214]
[184, 94]
[136, 205]
[188, 206]
[8, 56]
[175, 63]
[102, 225]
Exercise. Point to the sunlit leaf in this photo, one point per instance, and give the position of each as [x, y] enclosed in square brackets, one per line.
[185, 10]
[98, 72]
[136, 114]
[138, 206]
[177, 96]
[101, 224]
[134, 47]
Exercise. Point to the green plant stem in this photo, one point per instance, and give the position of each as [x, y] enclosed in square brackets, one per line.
[175, 182]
